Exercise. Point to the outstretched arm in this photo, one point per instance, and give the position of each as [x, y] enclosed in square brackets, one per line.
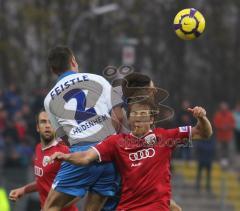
[203, 128]
[77, 158]
[16, 194]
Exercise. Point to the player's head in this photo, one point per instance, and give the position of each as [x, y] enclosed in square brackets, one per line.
[140, 116]
[137, 80]
[61, 59]
[44, 127]
[138, 84]
[223, 106]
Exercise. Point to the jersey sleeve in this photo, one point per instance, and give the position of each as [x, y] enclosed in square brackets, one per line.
[173, 137]
[106, 149]
[63, 148]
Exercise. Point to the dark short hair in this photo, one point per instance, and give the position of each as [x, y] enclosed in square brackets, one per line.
[37, 115]
[137, 85]
[134, 80]
[59, 59]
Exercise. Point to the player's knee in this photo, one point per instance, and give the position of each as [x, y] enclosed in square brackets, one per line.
[93, 208]
[48, 205]
[51, 203]
[95, 203]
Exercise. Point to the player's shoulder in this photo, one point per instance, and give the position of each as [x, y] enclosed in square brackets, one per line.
[172, 131]
[55, 146]
[160, 130]
[86, 76]
[113, 137]
[97, 78]
[79, 77]
[119, 136]
[92, 75]
[60, 146]
[164, 133]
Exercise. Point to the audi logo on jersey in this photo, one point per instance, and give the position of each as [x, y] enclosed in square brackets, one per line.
[38, 171]
[142, 154]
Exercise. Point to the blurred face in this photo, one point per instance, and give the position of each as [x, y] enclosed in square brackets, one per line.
[185, 104]
[223, 106]
[45, 128]
[140, 119]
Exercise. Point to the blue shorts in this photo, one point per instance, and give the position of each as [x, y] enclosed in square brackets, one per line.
[77, 180]
[112, 202]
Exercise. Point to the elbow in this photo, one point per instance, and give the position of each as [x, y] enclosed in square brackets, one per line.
[79, 162]
[206, 131]
[85, 162]
[210, 133]
[207, 135]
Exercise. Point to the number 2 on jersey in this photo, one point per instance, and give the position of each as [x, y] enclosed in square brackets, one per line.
[81, 114]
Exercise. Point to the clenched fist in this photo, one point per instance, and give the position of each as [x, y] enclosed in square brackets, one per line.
[197, 111]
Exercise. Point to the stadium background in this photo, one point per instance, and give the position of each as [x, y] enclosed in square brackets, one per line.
[133, 32]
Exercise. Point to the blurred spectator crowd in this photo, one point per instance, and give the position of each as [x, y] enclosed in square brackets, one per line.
[223, 147]
[17, 126]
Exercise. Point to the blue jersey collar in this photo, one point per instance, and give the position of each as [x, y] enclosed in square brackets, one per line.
[69, 72]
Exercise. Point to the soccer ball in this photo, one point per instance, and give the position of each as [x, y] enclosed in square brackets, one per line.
[189, 24]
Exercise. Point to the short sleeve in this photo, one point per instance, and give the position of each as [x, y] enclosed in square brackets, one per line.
[106, 149]
[63, 148]
[173, 137]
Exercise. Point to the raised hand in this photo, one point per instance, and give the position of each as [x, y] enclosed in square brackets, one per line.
[197, 111]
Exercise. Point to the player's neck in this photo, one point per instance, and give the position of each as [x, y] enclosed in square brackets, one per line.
[46, 144]
[141, 136]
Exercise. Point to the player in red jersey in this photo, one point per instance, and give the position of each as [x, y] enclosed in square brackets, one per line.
[143, 156]
[44, 173]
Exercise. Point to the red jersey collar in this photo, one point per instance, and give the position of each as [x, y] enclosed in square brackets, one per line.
[150, 131]
[52, 144]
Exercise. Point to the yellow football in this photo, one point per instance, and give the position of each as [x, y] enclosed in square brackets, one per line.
[189, 24]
